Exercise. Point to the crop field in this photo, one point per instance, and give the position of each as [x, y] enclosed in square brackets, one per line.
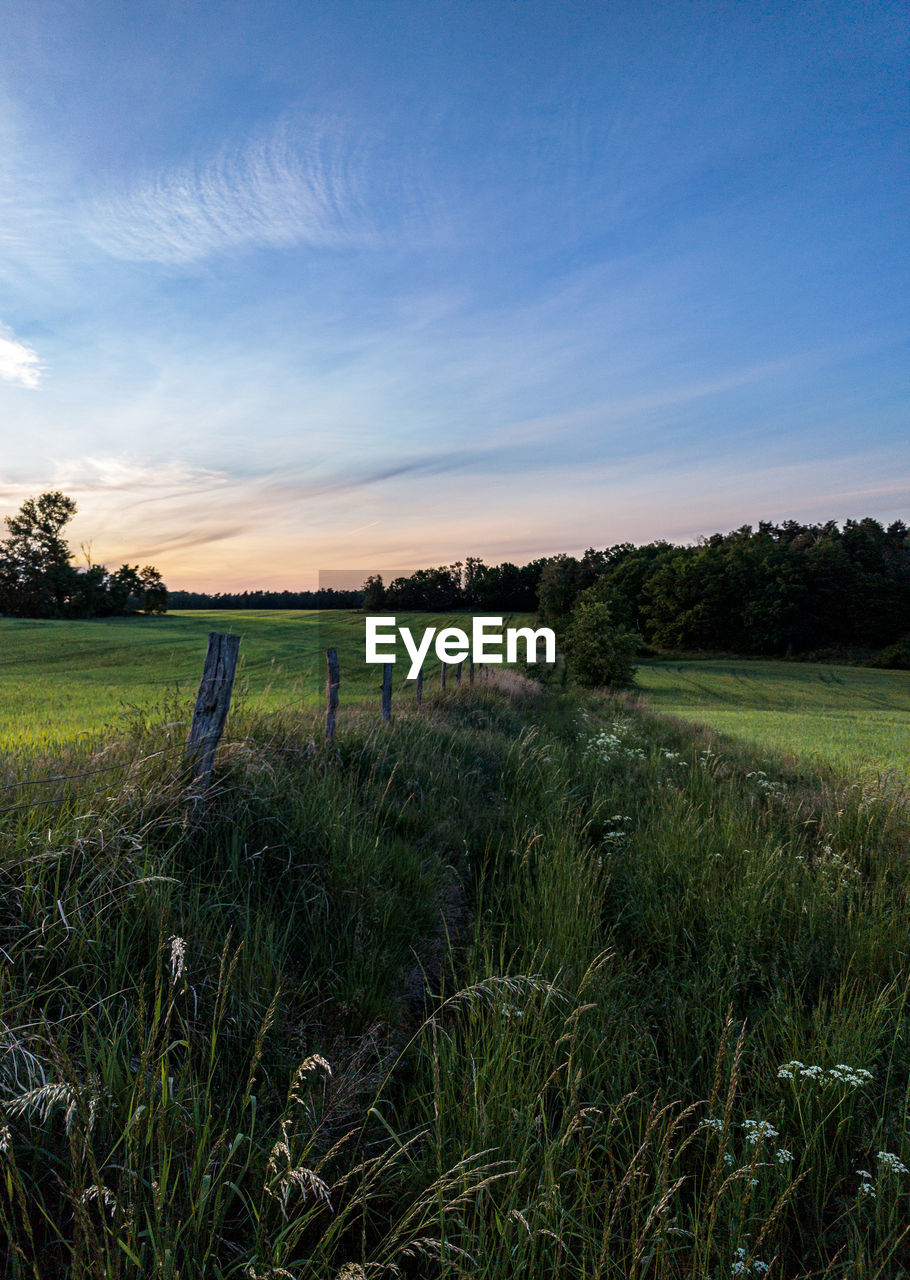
[853, 718]
[60, 680]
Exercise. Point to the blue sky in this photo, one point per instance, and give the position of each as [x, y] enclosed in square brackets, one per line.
[288, 287]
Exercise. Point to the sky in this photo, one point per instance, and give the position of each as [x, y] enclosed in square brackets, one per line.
[290, 287]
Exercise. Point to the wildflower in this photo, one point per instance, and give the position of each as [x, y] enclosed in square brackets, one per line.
[741, 1267]
[758, 1130]
[891, 1162]
[866, 1187]
[783, 1156]
[842, 1073]
[711, 1122]
[852, 1076]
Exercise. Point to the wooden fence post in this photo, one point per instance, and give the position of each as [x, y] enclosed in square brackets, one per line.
[471, 671]
[458, 674]
[212, 703]
[387, 691]
[419, 686]
[331, 694]
[442, 675]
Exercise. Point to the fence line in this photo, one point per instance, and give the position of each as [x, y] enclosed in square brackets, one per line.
[211, 711]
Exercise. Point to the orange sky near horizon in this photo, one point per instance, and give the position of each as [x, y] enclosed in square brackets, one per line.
[210, 532]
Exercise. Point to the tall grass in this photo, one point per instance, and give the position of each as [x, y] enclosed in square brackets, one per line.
[699, 927]
[518, 986]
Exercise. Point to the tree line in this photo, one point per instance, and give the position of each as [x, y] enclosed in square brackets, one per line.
[323, 598]
[468, 584]
[39, 580]
[777, 589]
[788, 588]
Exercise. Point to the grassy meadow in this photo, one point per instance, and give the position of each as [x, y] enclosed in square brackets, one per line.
[63, 679]
[534, 982]
[854, 718]
[527, 984]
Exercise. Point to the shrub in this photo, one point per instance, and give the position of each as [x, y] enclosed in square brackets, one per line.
[896, 656]
[599, 652]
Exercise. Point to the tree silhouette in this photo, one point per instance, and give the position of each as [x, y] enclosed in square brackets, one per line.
[39, 580]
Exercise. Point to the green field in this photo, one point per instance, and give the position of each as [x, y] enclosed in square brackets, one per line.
[59, 680]
[532, 984]
[852, 717]
[537, 982]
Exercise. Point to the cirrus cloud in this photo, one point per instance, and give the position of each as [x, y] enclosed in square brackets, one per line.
[294, 185]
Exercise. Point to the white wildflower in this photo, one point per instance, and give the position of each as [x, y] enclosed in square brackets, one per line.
[842, 1074]
[891, 1162]
[742, 1267]
[758, 1130]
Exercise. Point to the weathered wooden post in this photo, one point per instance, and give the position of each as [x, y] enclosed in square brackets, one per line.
[212, 703]
[387, 691]
[442, 676]
[419, 686]
[470, 671]
[331, 694]
[458, 673]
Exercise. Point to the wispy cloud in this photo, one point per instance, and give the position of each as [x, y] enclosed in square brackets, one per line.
[18, 362]
[120, 474]
[296, 185]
